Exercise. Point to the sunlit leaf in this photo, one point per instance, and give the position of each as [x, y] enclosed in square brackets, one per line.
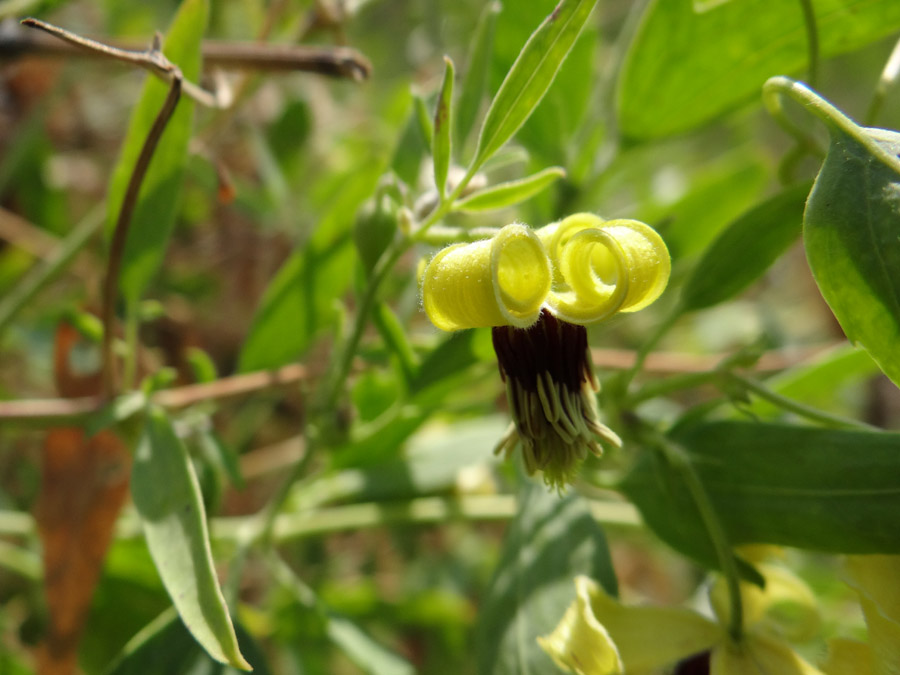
[167, 497]
[851, 230]
[510, 193]
[686, 66]
[531, 75]
[157, 205]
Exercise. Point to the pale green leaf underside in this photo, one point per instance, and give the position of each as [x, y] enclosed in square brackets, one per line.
[167, 498]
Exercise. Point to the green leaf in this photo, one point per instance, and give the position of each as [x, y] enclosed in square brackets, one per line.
[746, 249]
[531, 75]
[165, 646]
[510, 193]
[474, 83]
[851, 231]
[167, 498]
[154, 214]
[299, 301]
[441, 144]
[551, 541]
[821, 489]
[453, 355]
[370, 656]
[686, 66]
[815, 383]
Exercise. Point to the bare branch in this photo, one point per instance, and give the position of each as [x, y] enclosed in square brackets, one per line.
[342, 62]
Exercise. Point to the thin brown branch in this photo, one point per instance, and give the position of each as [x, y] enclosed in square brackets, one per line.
[672, 363]
[123, 223]
[72, 411]
[342, 62]
[152, 60]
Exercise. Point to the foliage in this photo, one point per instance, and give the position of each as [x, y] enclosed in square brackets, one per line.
[243, 350]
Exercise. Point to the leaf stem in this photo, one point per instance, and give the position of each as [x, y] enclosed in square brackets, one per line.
[812, 40]
[679, 459]
[887, 80]
[120, 234]
[779, 86]
[796, 407]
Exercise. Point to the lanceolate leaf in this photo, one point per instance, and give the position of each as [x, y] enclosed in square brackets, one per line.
[549, 542]
[441, 147]
[167, 497]
[746, 249]
[691, 61]
[821, 489]
[531, 75]
[851, 230]
[511, 193]
[155, 211]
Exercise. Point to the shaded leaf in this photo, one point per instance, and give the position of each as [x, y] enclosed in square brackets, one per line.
[686, 66]
[154, 214]
[551, 541]
[746, 249]
[510, 193]
[531, 75]
[851, 231]
[822, 489]
[167, 497]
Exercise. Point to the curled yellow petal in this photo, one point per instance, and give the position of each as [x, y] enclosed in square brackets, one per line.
[876, 579]
[499, 281]
[758, 655]
[580, 644]
[603, 267]
[644, 638]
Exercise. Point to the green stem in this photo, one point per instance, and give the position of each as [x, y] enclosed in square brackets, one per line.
[834, 119]
[669, 385]
[801, 409]
[681, 462]
[887, 80]
[644, 350]
[812, 40]
[38, 279]
[132, 325]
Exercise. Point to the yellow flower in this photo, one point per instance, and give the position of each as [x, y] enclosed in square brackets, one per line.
[537, 290]
[582, 270]
[876, 579]
[600, 636]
